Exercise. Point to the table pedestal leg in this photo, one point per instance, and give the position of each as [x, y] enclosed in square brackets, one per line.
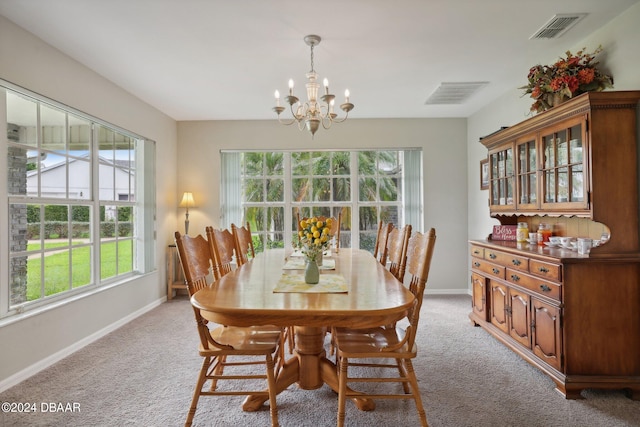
[309, 368]
[287, 376]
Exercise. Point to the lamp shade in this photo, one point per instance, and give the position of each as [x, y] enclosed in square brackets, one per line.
[187, 200]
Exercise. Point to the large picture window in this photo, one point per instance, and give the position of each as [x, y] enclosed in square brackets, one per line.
[270, 189]
[74, 196]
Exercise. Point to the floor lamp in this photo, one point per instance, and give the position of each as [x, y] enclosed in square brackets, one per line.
[187, 202]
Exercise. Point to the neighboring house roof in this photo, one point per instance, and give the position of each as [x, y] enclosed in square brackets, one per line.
[122, 165]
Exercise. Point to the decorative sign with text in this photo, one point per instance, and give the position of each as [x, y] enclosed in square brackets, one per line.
[504, 232]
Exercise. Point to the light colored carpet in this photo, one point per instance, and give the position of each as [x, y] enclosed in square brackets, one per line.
[143, 374]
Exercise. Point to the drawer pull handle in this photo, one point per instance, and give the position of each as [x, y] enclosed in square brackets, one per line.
[476, 264]
[516, 261]
[492, 256]
[545, 288]
[515, 277]
[476, 252]
[496, 271]
[543, 270]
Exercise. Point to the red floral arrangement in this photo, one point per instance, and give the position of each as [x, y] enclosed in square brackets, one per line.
[568, 77]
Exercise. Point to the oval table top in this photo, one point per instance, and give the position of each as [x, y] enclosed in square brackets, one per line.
[246, 296]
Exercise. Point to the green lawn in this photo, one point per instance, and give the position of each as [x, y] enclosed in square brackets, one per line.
[57, 267]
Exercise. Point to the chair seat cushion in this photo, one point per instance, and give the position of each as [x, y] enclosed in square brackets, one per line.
[371, 342]
[248, 338]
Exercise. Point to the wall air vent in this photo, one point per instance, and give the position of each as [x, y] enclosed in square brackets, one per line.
[557, 25]
[454, 92]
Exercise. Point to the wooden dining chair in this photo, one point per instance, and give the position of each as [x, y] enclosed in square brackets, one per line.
[397, 243]
[243, 243]
[223, 246]
[380, 250]
[245, 345]
[384, 348]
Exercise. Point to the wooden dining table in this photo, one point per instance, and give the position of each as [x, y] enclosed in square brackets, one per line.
[246, 297]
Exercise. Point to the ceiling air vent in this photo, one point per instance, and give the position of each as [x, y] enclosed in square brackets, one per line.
[454, 93]
[557, 26]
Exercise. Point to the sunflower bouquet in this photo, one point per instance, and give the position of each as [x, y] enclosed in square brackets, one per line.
[315, 236]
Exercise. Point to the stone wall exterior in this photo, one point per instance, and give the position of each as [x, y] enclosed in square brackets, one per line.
[17, 183]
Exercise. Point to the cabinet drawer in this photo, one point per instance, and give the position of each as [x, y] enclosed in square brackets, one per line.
[506, 259]
[545, 269]
[493, 270]
[477, 251]
[534, 284]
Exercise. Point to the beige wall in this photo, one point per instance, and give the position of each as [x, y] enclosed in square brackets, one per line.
[445, 176]
[620, 40]
[33, 341]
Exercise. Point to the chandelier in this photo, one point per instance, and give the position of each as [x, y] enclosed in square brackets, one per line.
[312, 113]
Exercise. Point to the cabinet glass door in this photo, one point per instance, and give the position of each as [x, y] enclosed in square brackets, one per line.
[527, 182]
[501, 179]
[563, 171]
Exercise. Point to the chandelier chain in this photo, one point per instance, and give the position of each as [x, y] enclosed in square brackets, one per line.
[312, 58]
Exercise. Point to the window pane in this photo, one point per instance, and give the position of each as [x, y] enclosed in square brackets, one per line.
[108, 260]
[252, 164]
[56, 224]
[81, 266]
[301, 191]
[125, 221]
[341, 189]
[22, 119]
[253, 191]
[368, 189]
[79, 179]
[275, 190]
[300, 163]
[79, 135]
[320, 161]
[275, 234]
[341, 163]
[54, 126]
[368, 227]
[56, 267]
[321, 189]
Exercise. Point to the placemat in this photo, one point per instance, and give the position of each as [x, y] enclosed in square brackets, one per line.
[329, 283]
[298, 263]
[299, 253]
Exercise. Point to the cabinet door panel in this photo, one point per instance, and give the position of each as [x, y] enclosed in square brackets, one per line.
[502, 179]
[564, 184]
[479, 292]
[520, 325]
[546, 333]
[498, 305]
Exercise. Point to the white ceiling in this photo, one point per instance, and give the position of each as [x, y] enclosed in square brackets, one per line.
[223, 59]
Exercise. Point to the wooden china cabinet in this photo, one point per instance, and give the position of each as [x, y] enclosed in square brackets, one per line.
[575, 317]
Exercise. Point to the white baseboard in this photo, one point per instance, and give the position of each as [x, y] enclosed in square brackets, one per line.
[54, 358]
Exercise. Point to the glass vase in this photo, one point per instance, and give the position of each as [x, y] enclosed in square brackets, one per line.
[319, 259]
[311, 273]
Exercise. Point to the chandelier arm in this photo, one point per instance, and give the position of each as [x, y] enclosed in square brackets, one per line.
[327, 120]
[336, 120]
[286, 123]
[295, 115]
